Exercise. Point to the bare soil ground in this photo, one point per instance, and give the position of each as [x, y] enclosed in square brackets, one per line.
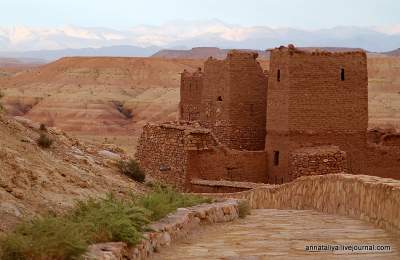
[35, 180]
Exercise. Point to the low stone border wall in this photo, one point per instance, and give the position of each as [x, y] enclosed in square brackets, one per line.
[174, 226]
[213, 186]
[370, 198]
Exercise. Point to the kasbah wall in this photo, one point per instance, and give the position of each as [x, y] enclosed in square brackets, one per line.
[307, 116]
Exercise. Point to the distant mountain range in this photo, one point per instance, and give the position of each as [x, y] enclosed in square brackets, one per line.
[143, 40]
[114, 51]
[43, 56]
[393, 53]
[205, 52]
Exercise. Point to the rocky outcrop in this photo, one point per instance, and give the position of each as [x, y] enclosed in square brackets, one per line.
[34, 180]
[173, 227]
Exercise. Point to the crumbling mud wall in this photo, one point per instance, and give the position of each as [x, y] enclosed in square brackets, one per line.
[232, 100]
[220, 163]
[316, 98]
[190, 95]
[383, 161]
[178, 152]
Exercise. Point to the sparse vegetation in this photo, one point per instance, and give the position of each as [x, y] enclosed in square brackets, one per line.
[132, 169]
[93, 221]
[244, 208]
[43, 127]
[44, 141]
[44, 238]
[164, 200]
[1, 106]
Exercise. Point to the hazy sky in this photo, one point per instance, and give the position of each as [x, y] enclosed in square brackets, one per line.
[121, 14]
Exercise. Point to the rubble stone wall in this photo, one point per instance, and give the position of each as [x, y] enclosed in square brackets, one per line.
[161, 153]
[317, 161]
[370, 198]
[178, 152]
[171, 228]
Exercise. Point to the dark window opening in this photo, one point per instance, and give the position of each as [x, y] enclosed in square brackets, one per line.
[276, 158]
[342, 74]
[219, 98]
[279, 75]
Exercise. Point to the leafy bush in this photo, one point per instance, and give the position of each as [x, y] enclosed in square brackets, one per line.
[111, 219]
[164, 200]
[44, 141]
[132, 169]
[93, 221]
[244, 208]
[68, 236]
[44, 238]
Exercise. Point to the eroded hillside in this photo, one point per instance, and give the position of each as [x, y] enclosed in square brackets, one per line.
[35, 180]
[384, 92]
[98, 97]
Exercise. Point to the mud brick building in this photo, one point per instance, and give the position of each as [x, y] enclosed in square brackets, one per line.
[307, 115]
[229, 98]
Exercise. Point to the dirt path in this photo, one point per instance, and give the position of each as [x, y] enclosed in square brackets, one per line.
[283, 234]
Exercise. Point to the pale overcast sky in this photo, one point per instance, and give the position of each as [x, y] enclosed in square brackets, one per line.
[122, 14]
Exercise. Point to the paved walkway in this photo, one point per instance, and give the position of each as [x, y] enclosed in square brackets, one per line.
[283, 234]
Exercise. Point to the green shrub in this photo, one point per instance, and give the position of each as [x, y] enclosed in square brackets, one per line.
[111, 219]
[1, 106]
[44, 141]
[44, 238]
[43, 127]
[132, 169]
[244, 208]
[164, 200]
[93, 221]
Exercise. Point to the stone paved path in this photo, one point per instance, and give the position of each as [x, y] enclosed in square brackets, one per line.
[282, 234]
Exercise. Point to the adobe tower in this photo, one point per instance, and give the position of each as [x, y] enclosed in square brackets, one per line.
[315, 98]
[229, 98]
